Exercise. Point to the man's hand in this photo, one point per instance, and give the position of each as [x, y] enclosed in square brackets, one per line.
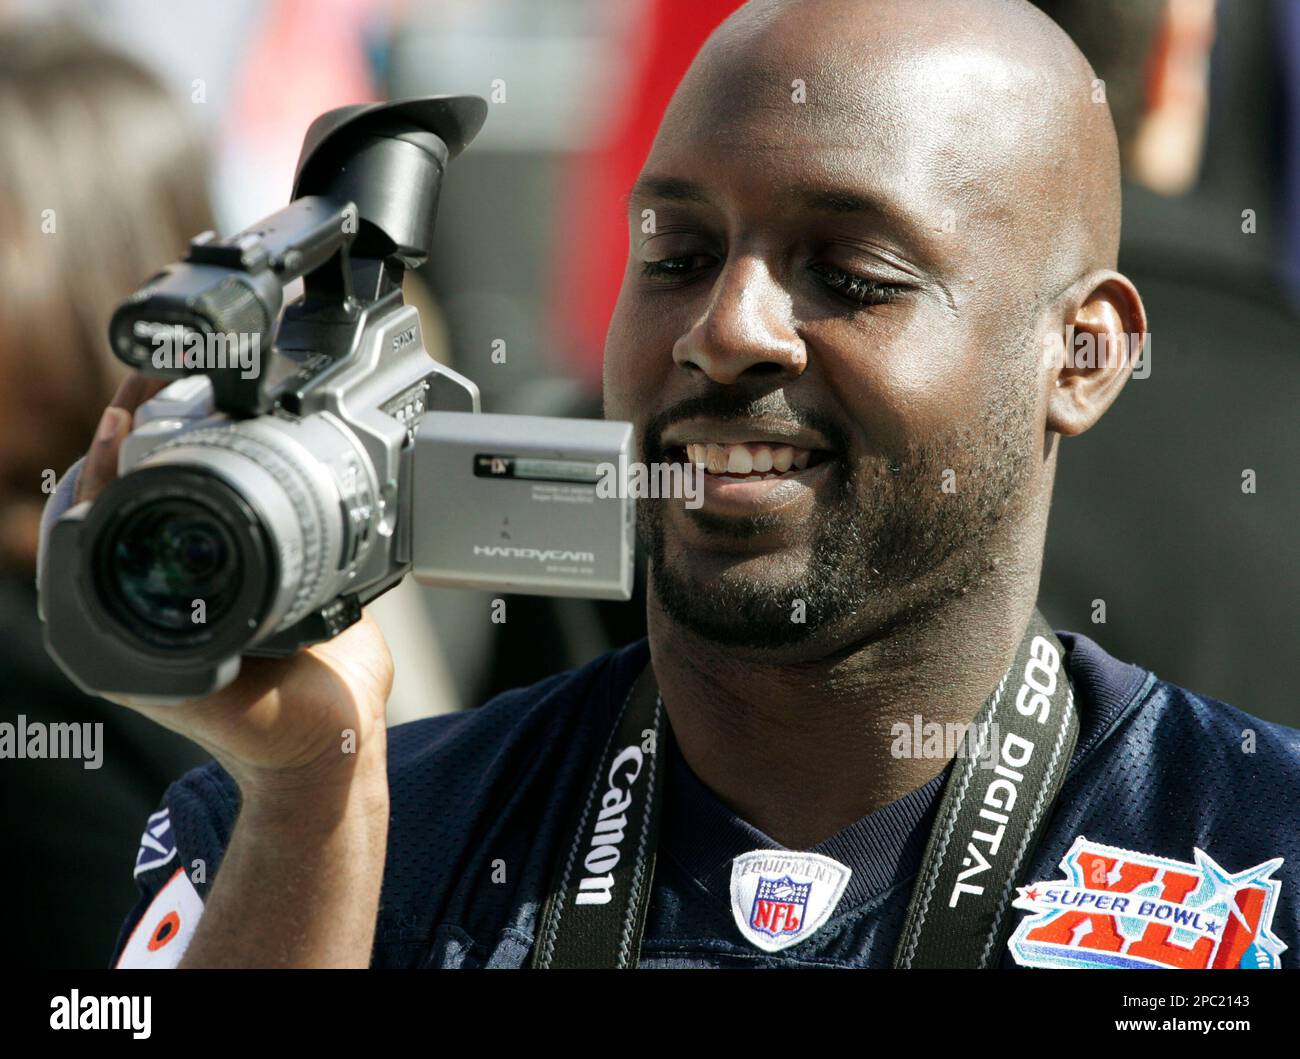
[304, 738]
[284, 723]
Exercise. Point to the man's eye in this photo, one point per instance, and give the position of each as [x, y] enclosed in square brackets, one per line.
[857, 289]
[674, 267]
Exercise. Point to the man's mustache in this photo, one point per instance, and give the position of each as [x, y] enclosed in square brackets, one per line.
[730, 407]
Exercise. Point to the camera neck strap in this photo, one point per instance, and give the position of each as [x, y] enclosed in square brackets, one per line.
[995, 805]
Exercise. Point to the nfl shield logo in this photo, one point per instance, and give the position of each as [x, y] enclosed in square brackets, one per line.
[780, 897]
[779, 906]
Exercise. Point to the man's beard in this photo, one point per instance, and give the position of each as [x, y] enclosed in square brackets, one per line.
[887, 539]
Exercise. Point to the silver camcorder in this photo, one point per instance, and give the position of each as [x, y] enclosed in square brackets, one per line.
[262, 501]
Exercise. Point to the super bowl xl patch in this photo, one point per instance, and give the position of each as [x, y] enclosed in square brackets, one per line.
[779, 898]
[1118, 908]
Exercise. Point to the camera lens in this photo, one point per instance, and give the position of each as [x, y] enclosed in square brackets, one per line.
[172, 567]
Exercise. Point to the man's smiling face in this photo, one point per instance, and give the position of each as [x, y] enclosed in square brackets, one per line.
[846, 283]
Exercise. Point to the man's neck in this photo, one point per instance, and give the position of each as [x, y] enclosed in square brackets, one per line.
[802, 750]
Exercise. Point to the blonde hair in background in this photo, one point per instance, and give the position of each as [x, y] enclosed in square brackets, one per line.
[103, 180]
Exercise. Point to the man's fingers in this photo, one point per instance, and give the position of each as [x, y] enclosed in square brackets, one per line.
[100, 467]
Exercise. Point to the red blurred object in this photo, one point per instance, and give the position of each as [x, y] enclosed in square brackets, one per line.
[591, 226]
[304, 57]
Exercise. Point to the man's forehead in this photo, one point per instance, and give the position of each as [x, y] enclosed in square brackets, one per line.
[945, 111]
[917, 113]
[886, 144]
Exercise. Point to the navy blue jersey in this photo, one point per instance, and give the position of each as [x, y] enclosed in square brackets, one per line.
[1174, 841]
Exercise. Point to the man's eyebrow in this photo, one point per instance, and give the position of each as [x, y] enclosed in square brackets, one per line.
[837, 200]
[670, 188]
[820, 200]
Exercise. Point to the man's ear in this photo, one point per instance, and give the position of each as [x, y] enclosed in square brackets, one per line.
[1103, 337]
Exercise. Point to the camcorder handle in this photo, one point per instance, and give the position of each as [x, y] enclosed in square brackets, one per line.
[365, 199]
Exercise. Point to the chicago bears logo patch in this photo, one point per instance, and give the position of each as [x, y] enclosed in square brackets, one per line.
[779, 898]
[1118, 908]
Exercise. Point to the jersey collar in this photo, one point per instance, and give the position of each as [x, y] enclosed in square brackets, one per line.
[883, 849]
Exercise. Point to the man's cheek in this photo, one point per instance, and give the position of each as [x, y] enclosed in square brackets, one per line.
[619, 386]
[925, 406]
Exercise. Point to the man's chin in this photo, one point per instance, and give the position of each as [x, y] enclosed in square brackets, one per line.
[770, 571]
[735, 601]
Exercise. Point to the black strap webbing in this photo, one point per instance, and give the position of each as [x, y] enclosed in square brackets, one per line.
[995, 806]
[596, 910]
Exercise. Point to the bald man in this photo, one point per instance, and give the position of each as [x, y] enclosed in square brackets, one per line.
[871, 288]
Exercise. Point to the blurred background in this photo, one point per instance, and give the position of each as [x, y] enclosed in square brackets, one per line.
[142, 122]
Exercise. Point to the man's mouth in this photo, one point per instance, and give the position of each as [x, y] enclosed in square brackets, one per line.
[748, 460]
[757, 467]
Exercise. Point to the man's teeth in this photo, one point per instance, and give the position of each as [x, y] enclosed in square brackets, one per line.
[747, 458]
[739, 460]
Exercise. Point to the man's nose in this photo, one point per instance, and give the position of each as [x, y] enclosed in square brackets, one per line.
[747, 326]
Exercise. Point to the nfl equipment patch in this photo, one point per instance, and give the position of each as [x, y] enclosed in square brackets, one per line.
[157, 844]
[164, 932]
[1118, 908]
[779, 898]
